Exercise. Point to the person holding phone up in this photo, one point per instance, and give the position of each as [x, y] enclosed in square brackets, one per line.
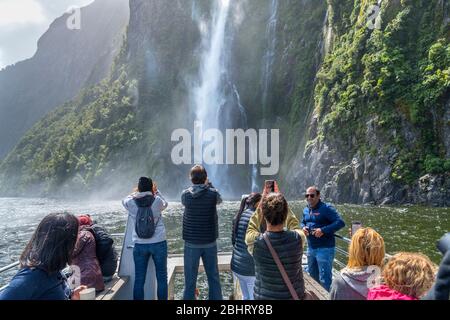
[257, 225]
[320, 221]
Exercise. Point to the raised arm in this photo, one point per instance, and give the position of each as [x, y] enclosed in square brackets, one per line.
[162, 205]
[126, 202]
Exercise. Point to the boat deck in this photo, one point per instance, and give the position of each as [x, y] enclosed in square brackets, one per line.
[175, 265]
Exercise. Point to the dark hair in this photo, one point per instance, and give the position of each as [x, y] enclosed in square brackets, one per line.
[145, 184]
[247, 202]
[198, 174]
[52, 244]
[274, 208]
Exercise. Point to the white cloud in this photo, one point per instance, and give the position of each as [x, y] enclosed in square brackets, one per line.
[21, 12]
[22, 22]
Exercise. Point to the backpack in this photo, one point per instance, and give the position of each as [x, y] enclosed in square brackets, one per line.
[104, 249]
[103, 242]
[145, 223]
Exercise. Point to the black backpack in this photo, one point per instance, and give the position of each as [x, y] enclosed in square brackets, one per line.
[145, 222]
[104, 249]
[103, 242]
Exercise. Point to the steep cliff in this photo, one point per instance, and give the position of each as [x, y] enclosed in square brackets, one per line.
[379, 132]
[65, 62]
[363, 112]
[113, 132]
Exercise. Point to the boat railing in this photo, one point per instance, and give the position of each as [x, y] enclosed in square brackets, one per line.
[344, 252]
[9, 266]
[339, 263]
[119, 247]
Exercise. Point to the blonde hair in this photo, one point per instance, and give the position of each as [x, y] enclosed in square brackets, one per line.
[412, 274]
[366, 249]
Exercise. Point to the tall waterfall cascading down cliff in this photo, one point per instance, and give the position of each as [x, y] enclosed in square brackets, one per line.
[269, 57]
[362, 113]
[208, 95]
[217, 103]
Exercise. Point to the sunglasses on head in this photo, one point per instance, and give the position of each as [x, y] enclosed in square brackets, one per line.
[310, 195]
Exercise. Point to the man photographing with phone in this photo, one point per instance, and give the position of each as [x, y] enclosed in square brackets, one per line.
[320, 222]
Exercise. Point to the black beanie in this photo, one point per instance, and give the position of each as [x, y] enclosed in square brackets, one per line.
[145, 184]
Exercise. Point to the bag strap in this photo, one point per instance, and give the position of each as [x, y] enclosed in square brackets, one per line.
[281, 268]
[153, 215]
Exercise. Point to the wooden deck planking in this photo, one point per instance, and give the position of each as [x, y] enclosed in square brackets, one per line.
[175, 263]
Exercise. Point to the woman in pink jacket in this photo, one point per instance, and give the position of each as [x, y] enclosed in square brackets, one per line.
[407, 276]
[85, 257]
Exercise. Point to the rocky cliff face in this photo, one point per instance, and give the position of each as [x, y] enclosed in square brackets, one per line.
[379, 132]
[363, 113]
[65, 62]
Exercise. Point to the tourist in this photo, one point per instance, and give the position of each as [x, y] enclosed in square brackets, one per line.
[406, 276]
[257, 224]
[242, 264]
[85, 256]
[106, 253]
[47, 253]
[200, 232]
[151, 243]
[320, 222]
[366, 255]
[287, 247]
[441, 288]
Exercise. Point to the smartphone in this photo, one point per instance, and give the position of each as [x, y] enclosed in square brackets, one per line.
[355, 226]
[270, 185]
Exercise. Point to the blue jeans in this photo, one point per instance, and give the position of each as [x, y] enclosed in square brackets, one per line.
[320, 265]
[142, 254]
[191, 263]
[247, 284]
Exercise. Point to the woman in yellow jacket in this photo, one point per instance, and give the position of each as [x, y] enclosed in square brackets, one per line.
[256, 226]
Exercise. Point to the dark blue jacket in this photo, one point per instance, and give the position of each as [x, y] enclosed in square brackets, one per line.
[325, 217]
[36, 284]
[241, 260]
[200, 221]
[441, 288]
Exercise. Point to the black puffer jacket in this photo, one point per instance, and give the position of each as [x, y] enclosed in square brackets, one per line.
[200, 221]
[242, 261]
[105, 250]
[269, 283]
[441, 289]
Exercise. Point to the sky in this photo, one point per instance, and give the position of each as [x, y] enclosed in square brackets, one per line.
[23, 22]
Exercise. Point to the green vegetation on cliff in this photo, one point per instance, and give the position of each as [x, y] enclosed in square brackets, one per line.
[77, 140]
[398, 75]
[339, 91]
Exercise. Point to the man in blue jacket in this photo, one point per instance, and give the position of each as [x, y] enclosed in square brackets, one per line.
[320, 222]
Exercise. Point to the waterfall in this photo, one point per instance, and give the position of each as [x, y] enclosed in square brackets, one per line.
[216, 99]
[252, 151]
[325, 41]
[269, 56]
[208, 96]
